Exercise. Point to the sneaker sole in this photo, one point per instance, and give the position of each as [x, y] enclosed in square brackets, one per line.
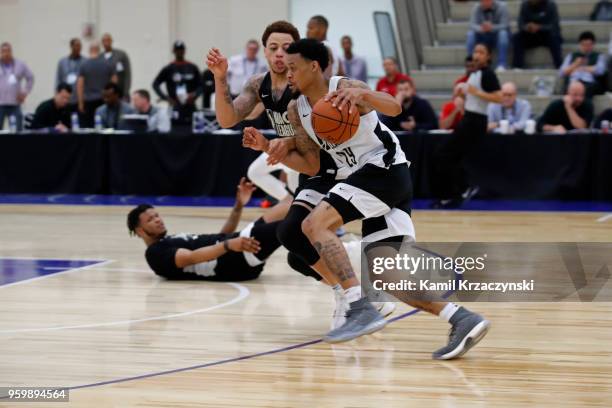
[470, 340]
[371, 328]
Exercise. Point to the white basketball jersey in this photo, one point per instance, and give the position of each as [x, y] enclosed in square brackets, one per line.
[373, 143]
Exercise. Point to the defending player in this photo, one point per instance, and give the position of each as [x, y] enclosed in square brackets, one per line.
[374, 185]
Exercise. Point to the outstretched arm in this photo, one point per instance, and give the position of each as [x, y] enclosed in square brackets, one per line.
[230, 112]
[358, 94]
[243, 196]
[185, 257]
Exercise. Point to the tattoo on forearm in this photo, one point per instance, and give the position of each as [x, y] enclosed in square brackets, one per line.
[335, 257]
[226, 93]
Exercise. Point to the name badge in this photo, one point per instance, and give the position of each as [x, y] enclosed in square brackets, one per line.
[12, 79]
[71, 78]
[120, 67]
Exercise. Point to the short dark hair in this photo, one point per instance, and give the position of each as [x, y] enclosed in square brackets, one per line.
[321, 20]
[114, 87]
[395, 61]
[469, 58]
[587, 35]
[73, 40]
[406, 81]
[487, 47]
[133, 218]
[63, 86]
[346, 37]
[144, 94]
[311, 50]
[280, 26]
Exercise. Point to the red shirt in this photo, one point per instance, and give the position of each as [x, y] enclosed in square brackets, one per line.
[447, 109]
[390, 87]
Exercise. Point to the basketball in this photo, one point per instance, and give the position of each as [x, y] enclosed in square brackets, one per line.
[333, 125]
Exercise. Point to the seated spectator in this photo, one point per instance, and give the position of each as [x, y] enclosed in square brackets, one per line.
[159, 119]
[490, 24]
[538, 25]
[417, 114]
[605, 115]
[585, 65]
[354, 66]
[114, 108]
[516, 111]
[392, 77]
[453, 111]
[571, 112]
[469, 68]
[54, 113]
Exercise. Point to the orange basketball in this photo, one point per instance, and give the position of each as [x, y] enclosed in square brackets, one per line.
[333, 125]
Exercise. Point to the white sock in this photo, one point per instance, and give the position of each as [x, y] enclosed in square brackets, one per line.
[353, 294]
[448, 311]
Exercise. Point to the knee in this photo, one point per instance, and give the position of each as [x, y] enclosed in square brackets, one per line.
[287, 232]
[309, 225]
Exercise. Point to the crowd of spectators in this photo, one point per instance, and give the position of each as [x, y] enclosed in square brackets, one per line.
[97, 88]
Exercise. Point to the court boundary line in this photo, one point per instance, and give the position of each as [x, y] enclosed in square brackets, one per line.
[219, 362]
[37, 278]
[243, 293]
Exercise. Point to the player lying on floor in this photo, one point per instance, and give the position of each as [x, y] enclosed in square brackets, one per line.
[225, 256]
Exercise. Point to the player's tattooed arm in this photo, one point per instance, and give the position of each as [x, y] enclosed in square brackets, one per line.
[358, 94]
[304, 155]
[230, 112]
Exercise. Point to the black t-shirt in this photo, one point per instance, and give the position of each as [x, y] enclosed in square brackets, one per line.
[422, 112]
[161, 255]
[177, 74]
[47, 115]
[556, 114]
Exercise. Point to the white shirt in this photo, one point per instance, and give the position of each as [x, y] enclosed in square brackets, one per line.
[240, 69]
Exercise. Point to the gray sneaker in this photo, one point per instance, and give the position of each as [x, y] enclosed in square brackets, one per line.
[468, 328]
[361, 318]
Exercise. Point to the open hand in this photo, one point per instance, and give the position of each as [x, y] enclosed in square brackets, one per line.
[217, 63]
[244, 244]
[244, 191]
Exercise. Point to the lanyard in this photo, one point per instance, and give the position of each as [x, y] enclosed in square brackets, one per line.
[10, 69]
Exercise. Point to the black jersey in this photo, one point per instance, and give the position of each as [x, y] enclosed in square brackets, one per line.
[277, 109]
[231, 266]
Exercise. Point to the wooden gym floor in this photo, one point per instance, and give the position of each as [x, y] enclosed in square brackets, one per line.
[129, 339]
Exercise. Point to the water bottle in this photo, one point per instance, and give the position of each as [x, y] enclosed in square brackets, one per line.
[13, 124]
[605, 126]
[98, 123]
[74, 121]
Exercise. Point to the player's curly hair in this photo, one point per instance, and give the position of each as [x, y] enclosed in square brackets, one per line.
[311, 50]
[133, 218]
[280, 26]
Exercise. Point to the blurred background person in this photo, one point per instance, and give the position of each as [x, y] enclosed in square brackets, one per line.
[120, 62]
[114, 107]
[68, 70]
[490, 24]
[516, 111]
[574, 111]
[469, 68]
[354, 66]
[244, 66]
[16, 82]
[183, 83]
[585, 65]
[538, 26]
[452, 111]
[392, 77]
[158, 118]
[55, 112]
[316, 29]
[417, 114]
[94, 75]
[605, 116]
[208, 88]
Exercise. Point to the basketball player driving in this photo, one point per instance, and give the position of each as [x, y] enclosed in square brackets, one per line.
[373, 184]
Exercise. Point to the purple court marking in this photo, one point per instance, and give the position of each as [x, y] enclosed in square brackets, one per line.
[473, 205]
[14, 270]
